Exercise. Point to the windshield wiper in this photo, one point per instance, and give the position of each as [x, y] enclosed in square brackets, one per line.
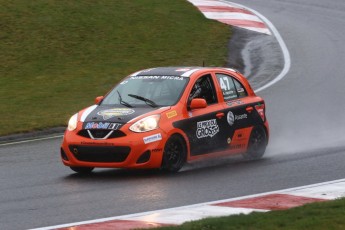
[147, 101]
[123, 102]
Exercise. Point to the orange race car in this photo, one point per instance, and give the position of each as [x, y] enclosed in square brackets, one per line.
[164, 117]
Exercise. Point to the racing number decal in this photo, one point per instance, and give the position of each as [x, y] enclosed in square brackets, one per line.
[224, 83]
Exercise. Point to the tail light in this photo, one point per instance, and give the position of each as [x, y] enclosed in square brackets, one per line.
[260, 108]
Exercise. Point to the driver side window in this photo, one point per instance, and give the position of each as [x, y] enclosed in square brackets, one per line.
[204, 88]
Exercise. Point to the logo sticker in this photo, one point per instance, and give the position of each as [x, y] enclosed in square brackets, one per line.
[171, 114]
[240, 117]
[102, 125]
[230, 118]
[207, 128]
[156, 150]
[236, 102]
[110, 113]
[152, 138]
[228, 140]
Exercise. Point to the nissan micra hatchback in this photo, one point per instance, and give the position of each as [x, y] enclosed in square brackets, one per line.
[164, 117]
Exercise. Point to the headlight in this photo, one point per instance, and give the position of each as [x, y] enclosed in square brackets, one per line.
[72, 123]
[146, 124]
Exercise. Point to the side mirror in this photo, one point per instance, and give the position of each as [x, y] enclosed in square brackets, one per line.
[198, 103]
[98, 99]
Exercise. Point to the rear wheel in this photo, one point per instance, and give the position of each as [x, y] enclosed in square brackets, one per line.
[257, 143]
[82, 170]
[174, 155]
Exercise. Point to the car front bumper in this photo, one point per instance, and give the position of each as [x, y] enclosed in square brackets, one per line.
[135, 150]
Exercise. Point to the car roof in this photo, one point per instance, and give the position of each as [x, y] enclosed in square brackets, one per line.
[176, 71]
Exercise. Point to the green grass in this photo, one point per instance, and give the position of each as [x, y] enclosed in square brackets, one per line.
[317, 216]
[58, 55]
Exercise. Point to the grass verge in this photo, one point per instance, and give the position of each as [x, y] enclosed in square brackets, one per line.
[316, 216]
[58, 55]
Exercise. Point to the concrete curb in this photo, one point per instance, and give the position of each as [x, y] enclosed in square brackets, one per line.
[264, 202]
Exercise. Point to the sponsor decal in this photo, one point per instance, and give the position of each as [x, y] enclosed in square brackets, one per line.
[156, 150]
[237, 102]
[229, 140]
[240, 117]
[240, 90]
[231, 92]
[110, 113]
[207, 128]
[102, 125]
[230, 103]
[171, 114]
[230, 118]
[152, 138]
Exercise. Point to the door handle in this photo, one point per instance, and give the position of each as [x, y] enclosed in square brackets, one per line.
[219, 115]
[249, 109]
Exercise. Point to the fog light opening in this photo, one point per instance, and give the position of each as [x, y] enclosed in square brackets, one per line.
[145, 157]
[63, 155]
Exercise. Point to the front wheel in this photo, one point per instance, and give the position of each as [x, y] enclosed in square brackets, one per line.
[174, 155]
[82, 170]
[257, 143]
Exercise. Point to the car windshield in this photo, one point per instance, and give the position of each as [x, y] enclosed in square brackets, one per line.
[153, 91]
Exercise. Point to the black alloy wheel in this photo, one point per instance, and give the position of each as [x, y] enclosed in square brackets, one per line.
[257, 143]
[174, 155]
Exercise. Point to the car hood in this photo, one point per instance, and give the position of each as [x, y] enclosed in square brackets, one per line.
[103, 116]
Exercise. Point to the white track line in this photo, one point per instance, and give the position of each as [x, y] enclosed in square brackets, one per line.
[31, 140]
[286, 54]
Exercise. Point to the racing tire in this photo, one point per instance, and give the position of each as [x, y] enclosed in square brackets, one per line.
[257, 143]
[174, 155]
[82, 170]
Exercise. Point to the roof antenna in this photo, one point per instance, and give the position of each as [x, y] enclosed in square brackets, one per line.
[203, 63]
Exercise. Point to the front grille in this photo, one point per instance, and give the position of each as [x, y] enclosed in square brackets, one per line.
[105, 154]
[101, 133]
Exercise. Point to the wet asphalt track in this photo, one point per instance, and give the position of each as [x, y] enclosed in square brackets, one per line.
[306, 114]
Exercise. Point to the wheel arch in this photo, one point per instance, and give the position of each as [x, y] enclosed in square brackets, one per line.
[169, 162]
[184, 137]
